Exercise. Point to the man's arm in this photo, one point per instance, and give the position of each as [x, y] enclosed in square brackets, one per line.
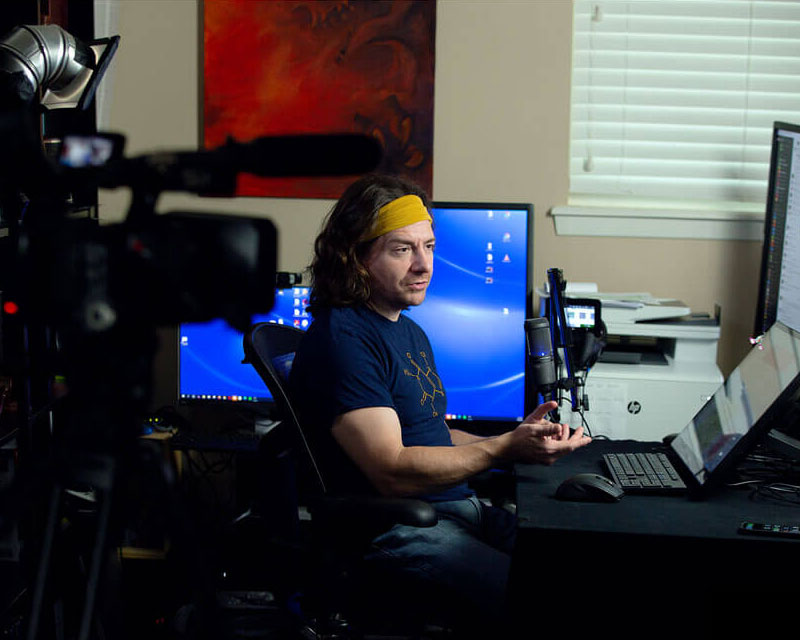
[464, 437]
[371, 437]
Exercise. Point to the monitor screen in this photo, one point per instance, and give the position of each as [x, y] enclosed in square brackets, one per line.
[580, 316]
[476, 306]
[210, 355]
[779, 287]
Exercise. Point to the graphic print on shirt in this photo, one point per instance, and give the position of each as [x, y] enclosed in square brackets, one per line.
[429, 382]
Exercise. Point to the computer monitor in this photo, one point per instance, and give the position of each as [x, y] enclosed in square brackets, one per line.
[475, 310]
[757, 396]
[210, 369]
[474, 315]
[779, 287]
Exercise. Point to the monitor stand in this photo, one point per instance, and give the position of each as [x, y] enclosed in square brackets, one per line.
[263, 426]
[783, 443]
[786, 439]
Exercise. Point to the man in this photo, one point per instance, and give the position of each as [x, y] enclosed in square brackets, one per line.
[379, 428]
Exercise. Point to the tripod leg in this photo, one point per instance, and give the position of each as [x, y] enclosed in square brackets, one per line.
[95, 569]
[44, 562]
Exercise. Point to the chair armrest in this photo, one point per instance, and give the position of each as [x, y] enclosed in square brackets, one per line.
[375, 512]
[498, 484]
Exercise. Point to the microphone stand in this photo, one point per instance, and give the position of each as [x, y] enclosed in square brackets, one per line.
[546, 338]
[561, 338]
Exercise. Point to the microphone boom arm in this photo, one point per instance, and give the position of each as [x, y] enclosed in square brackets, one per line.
[561, 335]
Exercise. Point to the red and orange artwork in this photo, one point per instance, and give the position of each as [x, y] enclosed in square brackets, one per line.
[282, 67]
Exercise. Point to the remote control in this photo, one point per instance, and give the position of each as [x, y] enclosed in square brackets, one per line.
[772, 530]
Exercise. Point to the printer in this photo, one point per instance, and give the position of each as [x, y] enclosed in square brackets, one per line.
[658, 368]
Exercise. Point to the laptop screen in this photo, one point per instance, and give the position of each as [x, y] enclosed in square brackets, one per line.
[743, 408]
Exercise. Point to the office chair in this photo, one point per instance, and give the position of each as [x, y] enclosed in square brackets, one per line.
[341, 526]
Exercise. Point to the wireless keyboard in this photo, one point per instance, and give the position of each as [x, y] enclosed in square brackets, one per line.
[644, 472]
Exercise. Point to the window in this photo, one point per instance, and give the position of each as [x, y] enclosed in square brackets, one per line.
[673, 103]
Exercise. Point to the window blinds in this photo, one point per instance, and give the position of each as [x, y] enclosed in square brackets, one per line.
[675, 99]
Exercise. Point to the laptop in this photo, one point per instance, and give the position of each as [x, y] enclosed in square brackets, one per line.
[753, 399]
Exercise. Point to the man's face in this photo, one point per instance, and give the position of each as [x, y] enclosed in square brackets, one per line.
[400, 264]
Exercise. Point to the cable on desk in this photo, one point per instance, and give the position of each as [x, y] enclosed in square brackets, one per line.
[207, 470]
[584, 423]
[779, 492]
[225, 463]
[584, 406]
[771, 476]
[587, 429]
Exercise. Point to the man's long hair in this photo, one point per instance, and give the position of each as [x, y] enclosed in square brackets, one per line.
[338, 275]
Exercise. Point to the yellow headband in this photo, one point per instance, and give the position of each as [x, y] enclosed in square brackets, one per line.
[398, 213]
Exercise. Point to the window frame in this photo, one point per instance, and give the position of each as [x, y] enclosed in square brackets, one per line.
[623, 216]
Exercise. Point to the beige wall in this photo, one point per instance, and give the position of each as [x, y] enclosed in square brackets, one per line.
[501, 133]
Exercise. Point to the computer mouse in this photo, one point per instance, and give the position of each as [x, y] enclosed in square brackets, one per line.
[589, 487]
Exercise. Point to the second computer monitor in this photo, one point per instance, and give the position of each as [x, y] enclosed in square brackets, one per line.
[475, 309]
[210, 354]
[779, 288]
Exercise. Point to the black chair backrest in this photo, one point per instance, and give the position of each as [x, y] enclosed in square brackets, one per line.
[269, 348]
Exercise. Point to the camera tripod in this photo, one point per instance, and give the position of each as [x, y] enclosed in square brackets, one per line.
[96, 444]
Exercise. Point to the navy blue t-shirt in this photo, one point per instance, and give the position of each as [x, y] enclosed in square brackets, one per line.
[353, 358]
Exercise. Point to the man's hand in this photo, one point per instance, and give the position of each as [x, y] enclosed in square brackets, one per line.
[538, 440]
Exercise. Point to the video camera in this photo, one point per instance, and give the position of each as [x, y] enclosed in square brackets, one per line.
[103, 288]
[160, 269]
[153, 269]
[81, 300]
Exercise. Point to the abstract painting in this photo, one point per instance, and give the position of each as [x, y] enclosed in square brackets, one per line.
[282, 67]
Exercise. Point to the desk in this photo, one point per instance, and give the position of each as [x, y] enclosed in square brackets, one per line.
[584, 548]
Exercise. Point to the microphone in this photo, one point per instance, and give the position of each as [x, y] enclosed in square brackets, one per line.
[540, 353]
[213, 172]
[305, 155]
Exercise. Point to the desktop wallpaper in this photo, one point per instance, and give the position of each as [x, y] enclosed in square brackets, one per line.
[211, 353]
[474, 311]
[474, 315]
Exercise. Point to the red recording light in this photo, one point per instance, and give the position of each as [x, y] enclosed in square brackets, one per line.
[10, 307]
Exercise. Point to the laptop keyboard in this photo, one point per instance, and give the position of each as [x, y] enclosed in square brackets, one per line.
[643, 472]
